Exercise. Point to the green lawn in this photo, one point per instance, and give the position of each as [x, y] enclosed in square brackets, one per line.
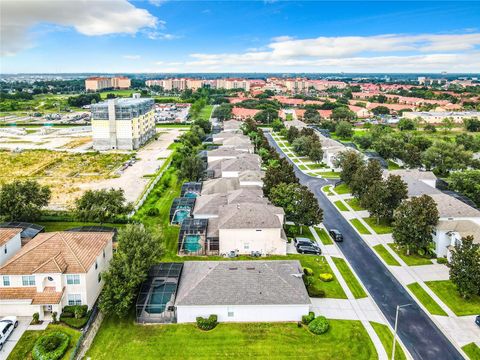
[393, 165]
[348, 275]
[448, 293]
[385, 255]
[472, 351]
[186, 126]
[354, 204]
[426, 300]
[122, 339]
[412, 259]
[302, 167]
[327, 190]
[65, 225]
[340, 205]
[381, 227]
[24, 346]
[205, 112]
[360, 227]
[342, 189]
[316, 166]
[386, 337]
[324, 237]
[328, 174]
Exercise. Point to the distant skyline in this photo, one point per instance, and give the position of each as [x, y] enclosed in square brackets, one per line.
[115, 36]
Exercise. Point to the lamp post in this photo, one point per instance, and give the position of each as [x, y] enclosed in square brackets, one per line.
[395, 331]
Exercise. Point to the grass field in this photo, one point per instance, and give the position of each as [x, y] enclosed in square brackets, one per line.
[447, 292]
[350, 278]
[205, 112]
[385, 255]
[426, 300]
[412, 259]
[380, 227]
[386, 337]
[62, 171]
[122, 339]
[340, 205]
[360, 227]
[328, 174]
[342, 189]
[324, 237]
[328, 190]
[354, 204]
[22, 350]
[472, 351]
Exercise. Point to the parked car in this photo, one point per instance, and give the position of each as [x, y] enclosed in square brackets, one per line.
[7, 324]
[477, 320]
[309, 250]
[336, 235]
[304, 242]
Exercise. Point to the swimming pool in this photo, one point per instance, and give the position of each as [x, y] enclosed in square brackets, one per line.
[190, 195]
[192, 243]
[160, 296]
[180, 215]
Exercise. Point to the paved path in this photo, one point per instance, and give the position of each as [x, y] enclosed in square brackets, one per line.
[420, 335]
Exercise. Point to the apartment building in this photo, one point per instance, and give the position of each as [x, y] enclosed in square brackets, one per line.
[436, 117]
[98, 83]
[54, 270]
[123, 123]
[230, 84]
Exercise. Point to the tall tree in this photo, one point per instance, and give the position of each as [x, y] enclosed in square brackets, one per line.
[344, 130]
[192, 168]
[443, 157]
[465, 267]
[102, 205]
[281, 173]
[467, 183]
[414, 222]
[349, 161]
[365, 177]
[137, 250]
[23, 200]
[292, 134]
[316, 152]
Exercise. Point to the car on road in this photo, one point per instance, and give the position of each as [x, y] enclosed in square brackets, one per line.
[336, 235]
[7, 324]
[304, 242]
[309, 250]
[477, 320]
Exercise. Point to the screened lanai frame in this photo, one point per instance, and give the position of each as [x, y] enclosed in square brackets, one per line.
[193, 227]
[158, 277]
[191, 188]
[181, 204]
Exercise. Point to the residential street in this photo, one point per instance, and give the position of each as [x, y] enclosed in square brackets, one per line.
[417, 331]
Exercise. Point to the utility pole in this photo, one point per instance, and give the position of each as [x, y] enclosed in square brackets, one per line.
[395, 331]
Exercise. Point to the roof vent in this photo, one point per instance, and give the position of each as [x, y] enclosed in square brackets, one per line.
[250, 268]
[232, 268]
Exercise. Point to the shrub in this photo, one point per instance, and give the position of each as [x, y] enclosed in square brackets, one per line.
[307, 319]
[51, 346]
[307, 271]
[314, 291]
[207, 324]
[77, 311]
[442, 260]
[307, 280]
[319, 325]
[153, 211]
[35, 318]
[326, 277]
[54, 317]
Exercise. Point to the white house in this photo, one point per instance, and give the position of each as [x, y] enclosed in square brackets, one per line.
[222, 153]
[242, 291]
[247, 227]
[53, 270]
[450, 232]
[10, 243]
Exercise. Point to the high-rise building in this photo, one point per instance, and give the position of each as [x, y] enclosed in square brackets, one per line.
[123, 123]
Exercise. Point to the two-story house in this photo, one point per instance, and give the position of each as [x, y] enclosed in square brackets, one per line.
[53, 270]
[10, 243]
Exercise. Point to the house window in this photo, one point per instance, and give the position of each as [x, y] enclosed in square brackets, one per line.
[74, 299]
[246, 246]
[28, 280]
[5, 249]
[99, 277]
[73, 279]
[6, 280]
[230, 314]
[50, 278]
[104, 253]
[96, 265]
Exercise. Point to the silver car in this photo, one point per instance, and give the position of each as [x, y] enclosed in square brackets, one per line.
[7, 324]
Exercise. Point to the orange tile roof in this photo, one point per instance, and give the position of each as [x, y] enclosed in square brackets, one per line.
[7, 233]
[48, 296]
[58, 252]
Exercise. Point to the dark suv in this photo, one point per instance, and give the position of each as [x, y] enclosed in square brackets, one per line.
[336, 235]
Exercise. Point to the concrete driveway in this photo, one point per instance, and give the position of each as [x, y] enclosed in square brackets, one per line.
[23, 323]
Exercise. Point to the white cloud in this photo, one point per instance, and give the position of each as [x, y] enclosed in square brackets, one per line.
[155, 35]
[157, 3]
[131, 57]
[88, 17]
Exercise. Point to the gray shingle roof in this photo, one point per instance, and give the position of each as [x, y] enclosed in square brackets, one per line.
[224, 151]
[251, 175]
[249, 216]
[221, 185]
[241, 283]
[412, 173]
[450, 207]
[463, 227]
[232, 125]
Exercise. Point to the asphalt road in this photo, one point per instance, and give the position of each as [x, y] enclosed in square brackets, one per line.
[417, 331]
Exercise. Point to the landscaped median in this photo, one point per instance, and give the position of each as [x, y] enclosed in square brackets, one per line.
[412, 259]
[472, 350]
[379, 226]
[350, 278]
[324, 237]
[426, 300]
[386, 337]
[340, 205]
[360, 227]
[123, 339]
[385, 255]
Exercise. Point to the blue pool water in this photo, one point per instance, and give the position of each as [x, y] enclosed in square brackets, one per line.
[159, 297]
[192, 243]
[190, 195]
[180, 215]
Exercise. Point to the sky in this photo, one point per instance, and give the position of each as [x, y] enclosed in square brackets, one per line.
[120, 36]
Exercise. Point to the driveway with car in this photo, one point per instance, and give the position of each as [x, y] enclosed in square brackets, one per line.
[23, 323]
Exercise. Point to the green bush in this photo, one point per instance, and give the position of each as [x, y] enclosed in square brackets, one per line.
[207, 324]
[308, 280]
[314, 291]
[153, 211]
[326, 277]
[307, 319]
[319, 325]
[35, 318]
[51, 346]
[442, 260]
[54, 317]
[77, 311]
[307, 271]
[75, 323]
